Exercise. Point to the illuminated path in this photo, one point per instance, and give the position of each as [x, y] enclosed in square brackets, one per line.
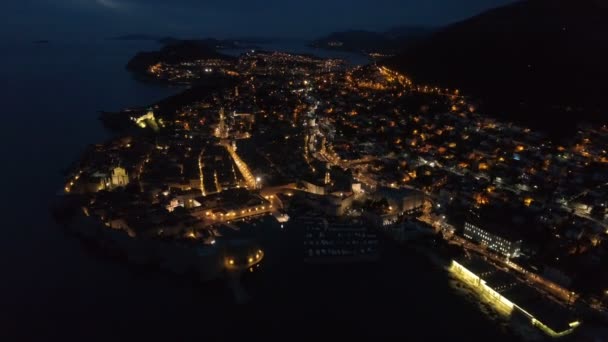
[240, 164]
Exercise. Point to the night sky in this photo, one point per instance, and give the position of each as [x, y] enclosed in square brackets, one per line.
[49, 19]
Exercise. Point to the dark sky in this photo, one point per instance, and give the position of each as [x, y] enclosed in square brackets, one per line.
[34, 19]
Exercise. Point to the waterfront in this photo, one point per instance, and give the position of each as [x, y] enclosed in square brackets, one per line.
[55, 288]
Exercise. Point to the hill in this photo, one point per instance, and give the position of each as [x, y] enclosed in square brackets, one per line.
[531, 62]
[176, 51]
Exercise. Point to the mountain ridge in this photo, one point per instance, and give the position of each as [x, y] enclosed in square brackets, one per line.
[529, 62]
[389, 41]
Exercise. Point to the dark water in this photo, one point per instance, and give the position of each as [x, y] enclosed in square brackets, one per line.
[54, 288]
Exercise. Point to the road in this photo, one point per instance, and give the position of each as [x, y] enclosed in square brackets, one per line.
[241, 165]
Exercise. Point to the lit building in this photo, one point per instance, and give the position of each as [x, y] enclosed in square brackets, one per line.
[146, 120]
[119, 177]
[492, 239]
[100, 180]
[230, 205]
[514, 298]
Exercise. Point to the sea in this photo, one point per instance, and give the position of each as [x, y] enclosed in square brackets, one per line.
[54, 287]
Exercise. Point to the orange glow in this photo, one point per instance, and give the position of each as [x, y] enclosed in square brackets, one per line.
[481, 199]
[154, 69]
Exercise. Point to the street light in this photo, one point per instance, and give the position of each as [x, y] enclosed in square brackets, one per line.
[257, 182]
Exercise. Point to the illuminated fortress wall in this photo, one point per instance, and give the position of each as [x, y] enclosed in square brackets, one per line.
[500, 303]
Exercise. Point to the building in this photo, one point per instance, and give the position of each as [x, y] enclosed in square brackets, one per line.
[119, 177]
[492, 238]
[332, 205]
[381, 219]
[404, 201]
[514, 298]
[316, 186]
[146, 120]
[230, 205]
[103, 180]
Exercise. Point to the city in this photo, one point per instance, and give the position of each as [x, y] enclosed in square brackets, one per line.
[354, 153]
